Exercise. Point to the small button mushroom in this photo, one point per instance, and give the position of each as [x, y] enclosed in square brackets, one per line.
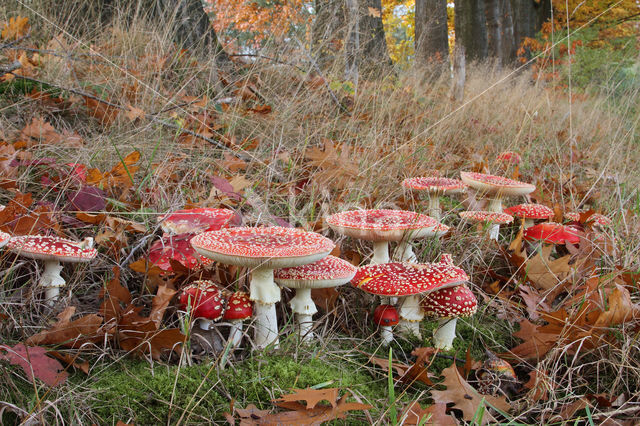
[239, 309]
[386, 316]
[204, 301]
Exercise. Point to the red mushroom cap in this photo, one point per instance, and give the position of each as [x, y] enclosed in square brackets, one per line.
[435, 185]
[595, 218]
[386, 316]
[51, 248]
[457, 301]
[328, 272]
[406, 279]
[490, 184]
[384, 224]
[204, 298]
[552, 233]
[195, 221]
[530, 211]
[178, 248]
[487, 217]
[239, 306]
[4, 237]
[509, 157]
[273, 246]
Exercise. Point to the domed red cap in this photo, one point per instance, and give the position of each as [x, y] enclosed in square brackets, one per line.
[386, 316]
[204, 298]
[239, 307]
[530, 211]
[457, 301]
[552, 233]
[510, 157]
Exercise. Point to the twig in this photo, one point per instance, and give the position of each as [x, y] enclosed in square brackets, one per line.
[148, 116]
[277, 61]
[6, 69]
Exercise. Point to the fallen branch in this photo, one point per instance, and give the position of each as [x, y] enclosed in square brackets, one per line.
[6, 69]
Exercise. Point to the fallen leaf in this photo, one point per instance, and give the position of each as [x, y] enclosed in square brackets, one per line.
[35, 363]
[70, 334]
[435, 414]
[312, 396]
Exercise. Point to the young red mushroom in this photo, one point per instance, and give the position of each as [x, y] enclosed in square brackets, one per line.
[52, 250]
[509, 157]
[448, 305]
[263, 250]
[196, 221]
[496, 188]
[407, 281]
[204, 301]
[551, 233]
[325, 273]
[239, 308]
[382, 226]
[529, 212]
[386, 316]
[492, 218]
[435, 187]
[598, 220]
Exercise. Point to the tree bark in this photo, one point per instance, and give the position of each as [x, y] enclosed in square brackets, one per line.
[509, 46]
[431, 32]
[470, 28]
[494, 32]
[528, 17]
[374, 56]
[328, 31]
[500, 33]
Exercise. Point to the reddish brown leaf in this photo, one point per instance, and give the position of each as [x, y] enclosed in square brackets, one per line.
[435, 414]
[35, 363]
[70, 334]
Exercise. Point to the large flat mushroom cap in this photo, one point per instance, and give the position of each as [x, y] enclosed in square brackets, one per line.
[271, 247]
[384, 224]
[51, 248]
[195, 221]
[530, 211]
[4, 237]
[406, 279]
[496, 185]
[552, 233]
[457, 301]
[328, 272]
[435, 185]
[477, 216]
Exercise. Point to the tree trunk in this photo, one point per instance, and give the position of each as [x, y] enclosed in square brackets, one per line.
[470, 28]
[352, 47]
[528, 17]
[459, 74]
[431, 32]
[328, 31]
[494, 32]
[509, 46]
[374, 57]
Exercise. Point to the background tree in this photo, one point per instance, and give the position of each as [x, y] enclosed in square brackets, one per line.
[431, 31]
[471, 28]
[328, 31]
[501, 44]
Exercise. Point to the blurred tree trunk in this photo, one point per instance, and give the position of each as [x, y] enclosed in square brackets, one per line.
[328, 31]
[431, 32]
[500, 33]
[528, 17]
[471, 28]
[373, 53]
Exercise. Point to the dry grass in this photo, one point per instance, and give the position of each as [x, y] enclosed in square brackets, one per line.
[583, 152]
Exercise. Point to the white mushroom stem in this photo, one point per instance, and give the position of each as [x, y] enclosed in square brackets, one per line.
[205, 324]
[386, 334]
[304, 308]
[434, 206]
[528, 223]
[410, 316]
[405, 252]
[380, 252]
[51, 280]
[445, 333]
[235, 332]
[265, 293]
[495, 205]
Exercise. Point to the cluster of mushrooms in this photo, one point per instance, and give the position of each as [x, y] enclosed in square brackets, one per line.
[288, 257]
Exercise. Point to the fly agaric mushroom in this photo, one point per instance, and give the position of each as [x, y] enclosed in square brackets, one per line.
[595, 219]
[263, 249]
[196, 221]
[529, 212]
[551, 233]
[509, 157]
[448, 305]
[52, 250]
[177, 248]
[382, 226]
[496, 187]
[325, 273]
[4, 237]
[492, 218]
[239, 308]
[435, 187]
[386, 316]
[204, 300]
[408, 280]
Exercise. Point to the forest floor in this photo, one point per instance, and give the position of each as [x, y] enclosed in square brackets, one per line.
[102, 138]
